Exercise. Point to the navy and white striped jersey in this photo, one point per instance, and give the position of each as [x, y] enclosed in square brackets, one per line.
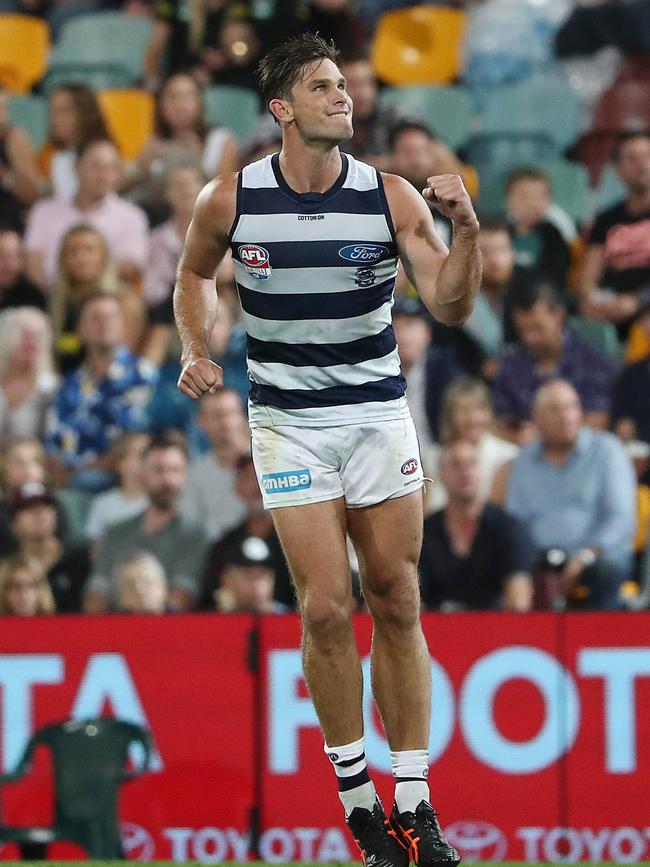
[315, 274]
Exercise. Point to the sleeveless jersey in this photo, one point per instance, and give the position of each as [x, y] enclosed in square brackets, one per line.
[315, 274]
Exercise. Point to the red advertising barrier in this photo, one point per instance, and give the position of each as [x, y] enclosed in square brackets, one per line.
[540, 745]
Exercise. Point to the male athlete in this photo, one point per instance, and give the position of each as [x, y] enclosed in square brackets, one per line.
[315, 237]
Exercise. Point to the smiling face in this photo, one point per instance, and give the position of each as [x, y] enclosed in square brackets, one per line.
[320, 107]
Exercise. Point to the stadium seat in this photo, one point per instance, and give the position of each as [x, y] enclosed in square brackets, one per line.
[24, 49]
[129, 114]
[103, 50]
[447, 111]
[30, 112]
[236, 108]
[418, 45]
[539, 106]
[610, 190]
[601, 335]
[89, 759]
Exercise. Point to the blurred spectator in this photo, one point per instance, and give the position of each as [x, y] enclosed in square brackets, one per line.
[631, 399]
[595, 25]
[96, 202]
[19, 180]
[183, 183]
[233, 57]
[24, 591]
[258, 524]
[575, 491]
[247, 581]
[85, 267]
[412, 325]
[15, 289]
[129, 498]
[23, 461]
[181, 134]
[489, 328]
[373, 120]
[548, 350]
[538, 244]
[141, 585]
[474, 555]
[27, 379]
[467, 414]
[222, 419]
[617, 262]
[32, 511]
[179, 545]
[416, 154]
[179, 32]
[76, 120]
[104, 398]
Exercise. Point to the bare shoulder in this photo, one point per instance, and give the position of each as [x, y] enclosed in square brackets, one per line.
[405, 202]
[216, 205]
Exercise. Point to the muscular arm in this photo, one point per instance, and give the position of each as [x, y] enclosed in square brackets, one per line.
[195, 295]
[446, 280]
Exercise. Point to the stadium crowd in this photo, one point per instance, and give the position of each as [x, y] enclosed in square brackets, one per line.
[119, 493]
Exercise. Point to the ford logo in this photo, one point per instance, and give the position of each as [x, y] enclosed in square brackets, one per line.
[363, 252]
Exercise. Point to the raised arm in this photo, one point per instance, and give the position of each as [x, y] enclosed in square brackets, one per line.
[446, 280]
[195, 295]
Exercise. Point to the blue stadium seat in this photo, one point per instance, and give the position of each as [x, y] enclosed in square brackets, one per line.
[236, 108]
[540, 106]
[447, 111]
[103, 50]
[30, 112]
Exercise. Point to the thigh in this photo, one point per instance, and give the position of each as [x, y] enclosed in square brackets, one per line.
[388, 539]
[313, 537]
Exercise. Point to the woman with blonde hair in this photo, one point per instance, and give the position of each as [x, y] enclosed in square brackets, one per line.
[86, 266]
[27, 378]
[24, 590]
[467, 414]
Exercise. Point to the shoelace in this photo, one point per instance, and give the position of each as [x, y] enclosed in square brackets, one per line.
[430, 823]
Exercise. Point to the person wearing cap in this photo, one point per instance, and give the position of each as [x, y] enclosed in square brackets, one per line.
[33, 519]
[257, 524]
[247, 581]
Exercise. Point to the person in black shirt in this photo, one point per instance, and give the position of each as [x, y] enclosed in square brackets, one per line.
[617, 262]
[15, 289]
[227, 550]
[474, 555]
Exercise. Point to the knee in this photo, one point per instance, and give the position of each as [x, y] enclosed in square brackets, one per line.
[394, 598]
[326, 618]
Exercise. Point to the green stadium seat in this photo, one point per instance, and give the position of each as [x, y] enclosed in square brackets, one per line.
[30, 112]
[104, 50]
[610, 190]
[236, 108]
[447, 111]
[546, 106]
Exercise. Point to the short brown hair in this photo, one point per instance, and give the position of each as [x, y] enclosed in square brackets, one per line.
[279, 70]
[530, 173]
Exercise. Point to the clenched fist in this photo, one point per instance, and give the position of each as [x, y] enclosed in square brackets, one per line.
[200, 376]
[449, 196]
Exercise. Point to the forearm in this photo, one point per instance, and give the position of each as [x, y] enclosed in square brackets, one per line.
[195, 311]
[459, 280]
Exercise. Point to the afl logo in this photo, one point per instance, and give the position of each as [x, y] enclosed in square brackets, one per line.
[409, 467]
[477, 841]
[255, 260]
[365, 253]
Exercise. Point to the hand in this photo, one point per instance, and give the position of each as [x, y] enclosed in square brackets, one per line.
[448, 194]
[200, 376]
[570, 575]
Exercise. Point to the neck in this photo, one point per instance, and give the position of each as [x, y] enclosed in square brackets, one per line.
[639, 200]
[551, 354]
[227, 453]
[81, 288]
[46, 550]
[99, 359]
[464, 510]
[309, 168]
[557, 453]
[86, 199]
[157, 517]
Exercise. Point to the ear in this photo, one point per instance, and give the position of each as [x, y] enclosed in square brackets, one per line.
[282, 110]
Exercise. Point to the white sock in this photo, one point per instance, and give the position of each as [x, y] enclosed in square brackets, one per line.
[356, 789]
[411, 771]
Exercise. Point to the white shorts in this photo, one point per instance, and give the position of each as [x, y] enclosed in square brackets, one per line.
[365, 463]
